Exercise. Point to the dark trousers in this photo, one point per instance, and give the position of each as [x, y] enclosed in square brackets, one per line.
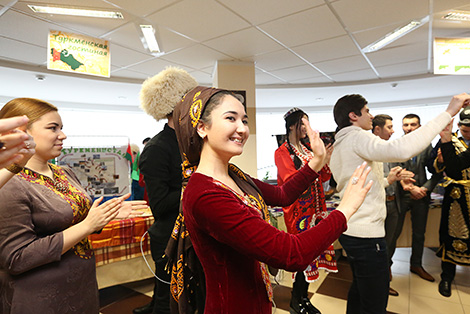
[448, 271]
[391, 229]
[300, 287]
[161, 291]
[369, 264]
[419, 218]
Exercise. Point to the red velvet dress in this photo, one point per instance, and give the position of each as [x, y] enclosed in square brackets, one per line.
[230, 238]
[309, 209]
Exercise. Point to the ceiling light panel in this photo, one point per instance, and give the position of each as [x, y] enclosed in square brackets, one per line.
[149, 35]
[457, 16]
[396, 34]
[76, 11]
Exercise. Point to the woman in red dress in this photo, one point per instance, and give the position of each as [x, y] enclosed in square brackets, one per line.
[225, 209]
[308, 210]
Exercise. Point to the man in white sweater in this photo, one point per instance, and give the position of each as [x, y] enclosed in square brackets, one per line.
[364, 240]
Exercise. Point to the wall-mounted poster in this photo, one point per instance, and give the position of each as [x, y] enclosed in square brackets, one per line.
[78, 54]
[452, 56]
[102, 171]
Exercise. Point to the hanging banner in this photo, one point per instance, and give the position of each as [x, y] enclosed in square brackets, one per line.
[78, 54]
[102, 171]
[452, 56]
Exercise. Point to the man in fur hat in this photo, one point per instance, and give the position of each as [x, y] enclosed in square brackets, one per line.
[160, 164]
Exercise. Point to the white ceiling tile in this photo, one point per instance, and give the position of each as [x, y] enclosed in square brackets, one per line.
[203, 78]
[127, 36]
[152, 66]
[270, 61]
[122, 57]
[406, 68]
[305, 27]
[329, 49]
[128, 74]
[196, 57]
[296, 73]
[266, 79]
[312, 80]
[359, 75]
[12, 26]
[142, 7]
[245, 43]
[22, 52]
[346, 64]
[260, 11]
[365, 14]
[441, 5]
[199, 19]
[398, 54]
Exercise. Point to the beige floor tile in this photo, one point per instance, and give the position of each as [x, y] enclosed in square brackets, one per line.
[430, 258]
[462, 276]
[284, 278]
[422, 288]
[424, 305]
[402, 254]
[279, 311]
[401, 283]
[313, 287]
[464, 294]
[466, 309]
[329, 305]
[400, 304]
[433, 270]
[400, 267]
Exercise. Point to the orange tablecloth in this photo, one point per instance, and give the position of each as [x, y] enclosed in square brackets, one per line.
[120, 240]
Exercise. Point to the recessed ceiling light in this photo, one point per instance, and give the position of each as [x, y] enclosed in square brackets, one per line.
[391, 37]
[76, 11]
[149, 35]
[457, 15]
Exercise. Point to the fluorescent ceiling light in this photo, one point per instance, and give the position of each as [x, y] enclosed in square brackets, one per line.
[457, 15]
[76, 11]
[150, 40]
[391, 37]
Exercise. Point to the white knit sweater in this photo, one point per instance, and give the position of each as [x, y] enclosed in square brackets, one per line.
[354, 145]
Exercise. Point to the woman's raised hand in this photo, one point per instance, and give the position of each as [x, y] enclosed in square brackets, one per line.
[317, 145]
[100, 215]
[131, 209]
[15, 145]
[355, 192]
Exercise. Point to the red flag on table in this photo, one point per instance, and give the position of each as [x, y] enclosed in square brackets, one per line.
[129, 156]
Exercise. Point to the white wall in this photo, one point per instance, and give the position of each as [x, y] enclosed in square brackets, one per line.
[96, 128]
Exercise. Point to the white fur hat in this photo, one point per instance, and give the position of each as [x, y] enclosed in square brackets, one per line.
[160, 94]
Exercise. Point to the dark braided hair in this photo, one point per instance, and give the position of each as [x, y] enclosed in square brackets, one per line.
[294, 118]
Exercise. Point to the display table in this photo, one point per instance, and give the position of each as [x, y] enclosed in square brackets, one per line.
[118, 253]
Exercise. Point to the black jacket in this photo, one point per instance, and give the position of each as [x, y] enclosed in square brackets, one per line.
[160, 164]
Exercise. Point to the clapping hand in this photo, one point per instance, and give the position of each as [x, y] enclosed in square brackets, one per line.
[101, 214]
[131, 209]
[398, 173]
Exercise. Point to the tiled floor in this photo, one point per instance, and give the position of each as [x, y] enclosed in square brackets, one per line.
[329, 292]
